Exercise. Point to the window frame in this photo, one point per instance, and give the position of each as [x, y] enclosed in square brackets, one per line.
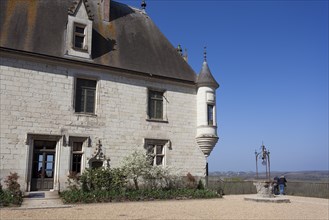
[76, 34]
[152, 151]
[211, 115]
[83, 141]
[73, 153]
[83, 90]
[152, 113]
[76, 52]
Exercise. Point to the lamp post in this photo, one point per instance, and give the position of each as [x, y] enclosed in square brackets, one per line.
[256, 154]
[264, 154]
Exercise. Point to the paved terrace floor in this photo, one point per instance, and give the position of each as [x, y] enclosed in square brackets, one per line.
[229, 207]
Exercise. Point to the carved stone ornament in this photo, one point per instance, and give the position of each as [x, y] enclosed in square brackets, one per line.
[99, 159]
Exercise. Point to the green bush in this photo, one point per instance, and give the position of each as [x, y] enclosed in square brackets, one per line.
[102, 179]
[200, 185]
[119, 179]
[7, 198]
[80, 196]
[150, 182]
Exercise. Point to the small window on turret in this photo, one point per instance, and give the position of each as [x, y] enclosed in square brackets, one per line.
[210, 114]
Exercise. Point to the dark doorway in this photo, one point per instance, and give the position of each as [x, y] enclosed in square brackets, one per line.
[43, 165]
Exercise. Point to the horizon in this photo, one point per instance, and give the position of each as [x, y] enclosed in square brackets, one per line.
[274, 171]
[271, 61]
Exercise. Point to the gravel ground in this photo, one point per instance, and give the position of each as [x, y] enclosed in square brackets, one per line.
[229, 207]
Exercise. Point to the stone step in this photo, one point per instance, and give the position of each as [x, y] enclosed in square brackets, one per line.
[39, 200]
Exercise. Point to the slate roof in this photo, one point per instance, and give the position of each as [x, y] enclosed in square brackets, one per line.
[130, 41]
[205, 78]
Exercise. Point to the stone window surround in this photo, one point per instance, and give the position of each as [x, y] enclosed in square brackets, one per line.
[84, 46]
[165, 143]
[211, 97]
[211, 100]
[210, 114]
[80, 76]
[85, 143]
[164, 105]
[70, 48]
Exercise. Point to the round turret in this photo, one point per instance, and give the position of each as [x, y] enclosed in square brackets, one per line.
[206, 109]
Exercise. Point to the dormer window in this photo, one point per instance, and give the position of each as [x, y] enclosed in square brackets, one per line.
[79, 30]
[79, 37]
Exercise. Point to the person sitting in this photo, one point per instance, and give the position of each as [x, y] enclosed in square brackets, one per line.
[276, 186]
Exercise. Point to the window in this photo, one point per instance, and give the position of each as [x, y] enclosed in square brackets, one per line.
[210, 114]
[76, 157]
[155, 105]
[85, 95]
[79, 37]
[156, 150]
[79, 31]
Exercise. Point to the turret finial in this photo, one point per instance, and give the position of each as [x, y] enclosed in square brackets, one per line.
[179, 50]
[205, 53]
[143, 5]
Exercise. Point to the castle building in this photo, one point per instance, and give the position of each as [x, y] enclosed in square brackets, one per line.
[86, 82]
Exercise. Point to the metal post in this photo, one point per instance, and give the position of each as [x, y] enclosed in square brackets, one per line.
[207, 174]
[269, 170]
[256, 166]
[266, 168]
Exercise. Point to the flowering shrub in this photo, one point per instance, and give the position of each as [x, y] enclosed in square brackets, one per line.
[136, 166]
[150, 182]
[12, 195]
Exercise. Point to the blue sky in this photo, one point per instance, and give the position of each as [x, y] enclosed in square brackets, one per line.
[271, 60]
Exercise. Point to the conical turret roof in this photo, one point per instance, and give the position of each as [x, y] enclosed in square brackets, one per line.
[205, 78]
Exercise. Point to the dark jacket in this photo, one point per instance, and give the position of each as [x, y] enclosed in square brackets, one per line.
[282, 180]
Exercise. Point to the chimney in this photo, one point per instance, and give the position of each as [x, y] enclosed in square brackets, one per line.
[106, 10]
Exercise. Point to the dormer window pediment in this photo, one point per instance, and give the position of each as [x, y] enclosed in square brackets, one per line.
[75, 11]
[79, 30]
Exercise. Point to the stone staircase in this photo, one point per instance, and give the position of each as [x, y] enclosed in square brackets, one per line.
[41, 200]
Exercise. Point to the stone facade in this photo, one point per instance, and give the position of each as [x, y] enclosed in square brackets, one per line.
[37, 102]
[91, 85]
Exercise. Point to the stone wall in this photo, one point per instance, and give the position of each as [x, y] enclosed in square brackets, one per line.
[37, 97]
